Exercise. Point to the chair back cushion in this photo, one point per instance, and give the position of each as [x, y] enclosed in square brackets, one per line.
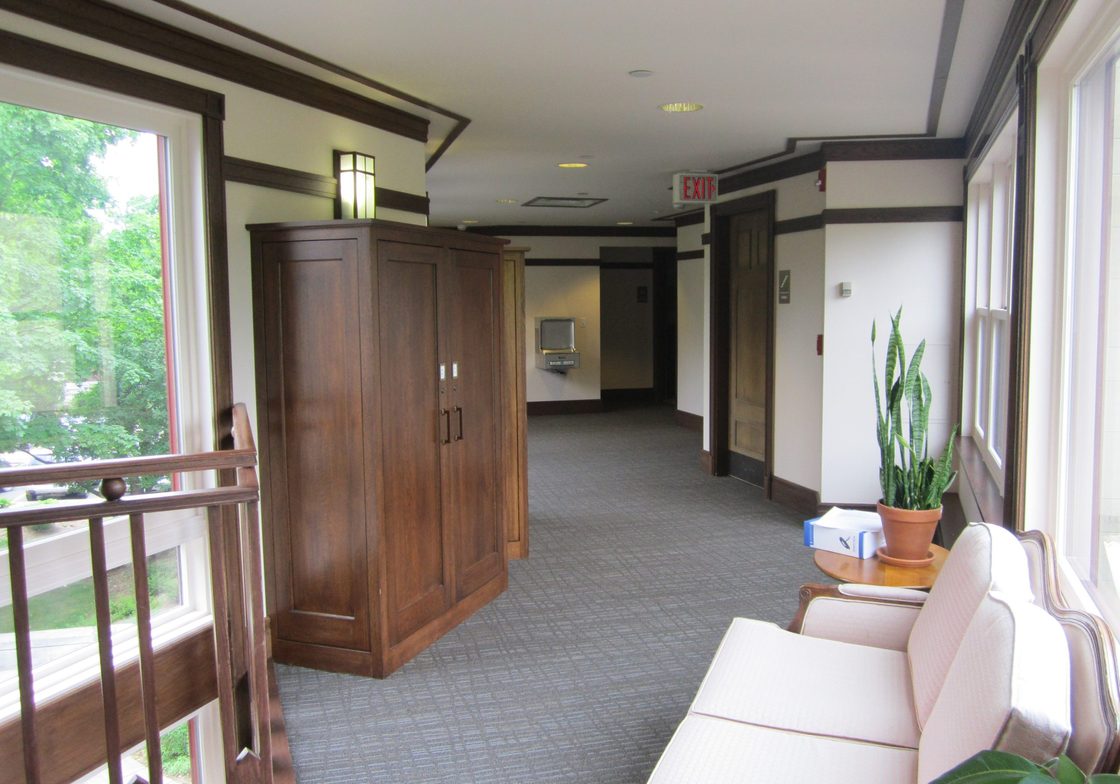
[985, 557]
[1007, 689]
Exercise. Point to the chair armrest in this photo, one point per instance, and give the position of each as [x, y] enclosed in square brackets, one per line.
[861, 591]
[864, 615]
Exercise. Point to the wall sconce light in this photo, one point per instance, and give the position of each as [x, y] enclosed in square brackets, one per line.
[355, 174]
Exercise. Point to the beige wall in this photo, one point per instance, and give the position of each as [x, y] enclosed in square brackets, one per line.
[566, 292]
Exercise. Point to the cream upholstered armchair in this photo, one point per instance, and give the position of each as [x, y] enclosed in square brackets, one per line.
[889, 686]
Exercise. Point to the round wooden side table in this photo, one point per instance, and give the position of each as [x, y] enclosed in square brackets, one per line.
[872, 571]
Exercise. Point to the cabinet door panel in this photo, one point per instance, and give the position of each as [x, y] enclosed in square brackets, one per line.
[412, 502]
[477, 479]
[314, 398]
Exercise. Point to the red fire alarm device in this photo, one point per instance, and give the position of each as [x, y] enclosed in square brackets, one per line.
[821, 179]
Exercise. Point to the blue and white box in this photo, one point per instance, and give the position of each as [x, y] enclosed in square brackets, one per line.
[845, 531]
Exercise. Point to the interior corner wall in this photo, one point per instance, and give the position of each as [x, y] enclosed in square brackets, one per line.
[264, 128]
[568, 292]
[915, 266]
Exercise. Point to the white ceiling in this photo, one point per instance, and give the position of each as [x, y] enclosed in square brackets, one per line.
[545, 82]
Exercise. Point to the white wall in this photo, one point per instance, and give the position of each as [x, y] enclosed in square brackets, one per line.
[626, 341]
[563, 291]
[264, 128]
[912, 265]
[915, 266]
[692, 325]
[797, 368]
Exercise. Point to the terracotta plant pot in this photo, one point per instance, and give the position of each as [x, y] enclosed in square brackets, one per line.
[908, 533]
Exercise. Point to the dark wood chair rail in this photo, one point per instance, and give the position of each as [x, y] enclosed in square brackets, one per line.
[238, 632]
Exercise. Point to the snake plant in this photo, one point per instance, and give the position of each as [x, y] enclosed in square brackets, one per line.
[1000, 767]
[909, 477]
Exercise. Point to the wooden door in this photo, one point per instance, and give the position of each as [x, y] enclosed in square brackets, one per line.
[311, 313]
[474, 332]
[414, 416]
[514, 430]
[749, 344]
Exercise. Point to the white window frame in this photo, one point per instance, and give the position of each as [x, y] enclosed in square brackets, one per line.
[988, 263]
[63, 559]
[1056, 476]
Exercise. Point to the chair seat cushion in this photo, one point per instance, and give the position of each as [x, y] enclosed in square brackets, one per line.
[769, 677]
[708, 750]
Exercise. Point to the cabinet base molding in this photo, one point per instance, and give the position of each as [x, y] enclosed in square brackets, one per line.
[351, 662]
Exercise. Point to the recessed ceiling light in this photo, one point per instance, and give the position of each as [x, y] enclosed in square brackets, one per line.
[681, 106]
[506, 201]
[624, 223]
[468, 220]
[640, 73]
[573, 165]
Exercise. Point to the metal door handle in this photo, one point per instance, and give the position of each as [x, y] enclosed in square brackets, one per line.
[446, 416]
[459, 411]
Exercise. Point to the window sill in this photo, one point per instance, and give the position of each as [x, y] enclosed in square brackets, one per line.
[988, 494]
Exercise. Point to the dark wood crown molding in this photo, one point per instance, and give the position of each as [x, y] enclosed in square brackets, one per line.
[280, 178]
[802, 164]
[995, 98]
[118, 26]
[686, 218]
[893, 150]
[460, 121]
[804, 223]
[74, 66]
[950, 214]
[575, 231]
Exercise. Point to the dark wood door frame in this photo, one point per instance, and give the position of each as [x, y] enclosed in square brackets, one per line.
[720, 322]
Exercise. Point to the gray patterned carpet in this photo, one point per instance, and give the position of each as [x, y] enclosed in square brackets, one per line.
[582, 670]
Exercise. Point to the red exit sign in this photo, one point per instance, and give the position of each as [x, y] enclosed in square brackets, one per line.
[695, 187]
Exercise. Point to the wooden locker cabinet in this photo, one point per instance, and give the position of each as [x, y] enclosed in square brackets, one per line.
[380, 387]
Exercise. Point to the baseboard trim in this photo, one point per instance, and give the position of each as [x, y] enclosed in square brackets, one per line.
[637, 395]
[706, 461]
[794, 496]
[550, 407]
[690, 421]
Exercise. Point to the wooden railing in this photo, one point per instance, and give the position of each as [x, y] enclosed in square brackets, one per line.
[239, 663]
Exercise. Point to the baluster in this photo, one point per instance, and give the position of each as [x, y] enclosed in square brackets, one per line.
[21, 619]
[258, 656]
[147, 656]
[223, 662]
[105, 646]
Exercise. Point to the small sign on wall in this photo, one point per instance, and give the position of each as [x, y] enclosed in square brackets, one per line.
[643, 295]
[783, 287]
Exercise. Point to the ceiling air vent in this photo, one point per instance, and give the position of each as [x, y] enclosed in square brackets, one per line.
[562, 201]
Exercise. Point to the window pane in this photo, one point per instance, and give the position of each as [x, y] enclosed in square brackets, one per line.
[982, 374]
[83, 358]
[83, 365]
[997, 440]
